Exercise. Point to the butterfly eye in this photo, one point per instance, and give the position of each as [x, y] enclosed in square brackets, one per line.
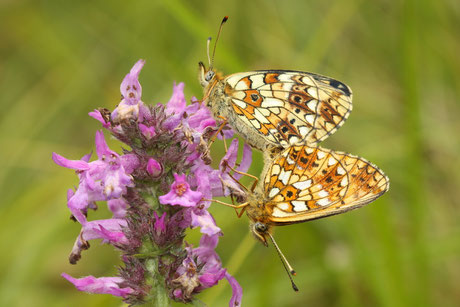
[209, 75]
[260, 227]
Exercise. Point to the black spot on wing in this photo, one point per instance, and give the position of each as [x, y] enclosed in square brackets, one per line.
[339, 85]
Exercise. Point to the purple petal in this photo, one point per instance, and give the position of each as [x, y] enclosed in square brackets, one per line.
[177, 102]
[159, 224]
[230, 157]
[70, 193]
[209, 279]
[86, 157]
[181, 194]
[111, 236]
[189, 199]
[148, 132]
[181, 219]
[202, 178]
[179, 178]
[245, 161]
[144, 113]
[92, 230]
[237, 291]
[118, 207]
[130, 162]
[102, 149]
[175, 107]
[130, 88]
[73, 164]
[178, 293]
[87, 180]
[201, 118]
[110, 231]
[206, 222]
[228, 133]
[78, 204]
[101, 285]
[115, 184]
[206, 251]
[98, 116]
[210, 241]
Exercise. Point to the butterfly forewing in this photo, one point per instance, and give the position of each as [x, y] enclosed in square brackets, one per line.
[305, 183]
[289, 107]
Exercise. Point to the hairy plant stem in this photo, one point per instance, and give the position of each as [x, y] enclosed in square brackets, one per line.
[158, 295]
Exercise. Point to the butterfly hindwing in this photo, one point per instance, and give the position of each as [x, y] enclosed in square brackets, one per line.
[289, 107]
[305, 183]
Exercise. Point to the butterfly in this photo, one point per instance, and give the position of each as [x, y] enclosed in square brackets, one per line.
[305, 183]
[276, 108]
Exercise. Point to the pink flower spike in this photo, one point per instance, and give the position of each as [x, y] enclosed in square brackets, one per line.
[130, 88]
[181, 194]
[148, 132]
[101, 285]
[154, 168]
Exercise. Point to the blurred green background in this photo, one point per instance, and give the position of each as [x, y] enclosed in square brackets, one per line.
[59, 60]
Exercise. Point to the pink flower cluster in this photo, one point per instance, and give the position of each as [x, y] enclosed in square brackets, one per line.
[168, 158]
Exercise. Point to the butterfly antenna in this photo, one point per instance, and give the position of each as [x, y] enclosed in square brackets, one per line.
[289, 270]
[207, 49]
[217, 38]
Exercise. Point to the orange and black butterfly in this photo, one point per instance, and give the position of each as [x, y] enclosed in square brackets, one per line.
[304, 183]
[277, 108]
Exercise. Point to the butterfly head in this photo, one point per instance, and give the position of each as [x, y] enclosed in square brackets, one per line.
[206, 76]
[260, 231]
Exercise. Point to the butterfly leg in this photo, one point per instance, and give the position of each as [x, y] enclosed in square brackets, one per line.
[233, 202]
[219, 130]
[256, 180]
[236, 207]
[239, 214]
[225, 142]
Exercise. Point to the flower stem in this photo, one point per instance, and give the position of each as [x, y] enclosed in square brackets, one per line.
[158, 295]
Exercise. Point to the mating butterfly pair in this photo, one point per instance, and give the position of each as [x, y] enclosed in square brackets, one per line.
[285, 114]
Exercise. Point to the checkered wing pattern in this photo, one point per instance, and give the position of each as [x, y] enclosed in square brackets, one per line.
[289, 107]
[305, 183]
